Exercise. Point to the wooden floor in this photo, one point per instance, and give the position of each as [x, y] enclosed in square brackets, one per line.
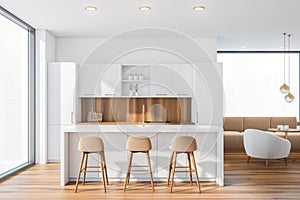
[242, 181]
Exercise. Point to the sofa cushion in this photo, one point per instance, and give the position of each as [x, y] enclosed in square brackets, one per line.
[294, 138]
[261, 123]
[291, 121]
[233, 124]
[233, 140]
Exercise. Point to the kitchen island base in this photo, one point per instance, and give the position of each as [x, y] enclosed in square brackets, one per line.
[209, 155]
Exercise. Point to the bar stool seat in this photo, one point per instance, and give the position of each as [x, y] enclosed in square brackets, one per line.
[183, 144]
[87, 145]
[138, 144]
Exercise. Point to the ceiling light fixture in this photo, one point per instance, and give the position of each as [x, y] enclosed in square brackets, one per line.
[289, 97]
[145, 8]
[243, 46]
[281, 46]
[91, 8]
[284, 89]
[199, 8]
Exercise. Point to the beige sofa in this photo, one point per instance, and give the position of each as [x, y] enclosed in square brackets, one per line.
[234, 128]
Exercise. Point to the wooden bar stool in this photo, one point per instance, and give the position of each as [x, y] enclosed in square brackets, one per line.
[183, 144]
[87, 145]
[138, 144]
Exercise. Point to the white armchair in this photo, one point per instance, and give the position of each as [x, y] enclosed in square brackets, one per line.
[264, 145]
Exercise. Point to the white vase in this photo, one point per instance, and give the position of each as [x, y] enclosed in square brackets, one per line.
[130, 77]
[141, 77]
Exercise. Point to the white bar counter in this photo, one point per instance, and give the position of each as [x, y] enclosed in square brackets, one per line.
[209, 155]
[132, 97]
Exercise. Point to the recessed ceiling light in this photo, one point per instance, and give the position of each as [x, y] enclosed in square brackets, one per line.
[199, 8]
[91, 8]
[243, 46]
[145, 8]
[281, 46]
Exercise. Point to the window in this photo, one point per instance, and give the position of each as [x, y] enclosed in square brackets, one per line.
[16, 89]
[251, 84]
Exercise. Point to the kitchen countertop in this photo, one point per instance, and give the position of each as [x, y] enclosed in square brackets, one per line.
[132, 123]
[151, 128]
[125, 97]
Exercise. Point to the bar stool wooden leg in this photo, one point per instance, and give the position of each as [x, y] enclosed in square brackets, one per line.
[128, 178]
[173, 171]
[130, 168]
[128, 171]
[195, 170]
[79, 171]
[85, 167]
[150, 170]
[104, 162]
[170, 168]
[190, 167]
[102, 171]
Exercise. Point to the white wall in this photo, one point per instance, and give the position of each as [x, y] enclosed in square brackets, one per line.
[104, 50]
[50, 47]
[45, 52]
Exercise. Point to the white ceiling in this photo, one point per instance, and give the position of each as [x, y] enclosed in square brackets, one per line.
[256, 23]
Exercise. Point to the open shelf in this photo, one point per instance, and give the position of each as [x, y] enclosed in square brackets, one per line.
[135, 81]
[142, 85]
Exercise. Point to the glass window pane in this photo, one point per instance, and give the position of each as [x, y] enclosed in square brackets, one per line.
[14, 95]
[252, 81]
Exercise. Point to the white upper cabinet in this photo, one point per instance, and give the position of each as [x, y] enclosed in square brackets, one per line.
[99, 80]
[172, 79]
[161, 80]
[89, 80]
[62, 92]
[110, 79]
[105, 79]
[182, 79]
[208, 96]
